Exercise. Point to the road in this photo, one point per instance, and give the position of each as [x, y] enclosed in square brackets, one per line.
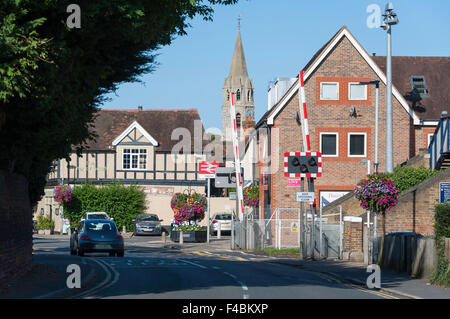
[156, 270]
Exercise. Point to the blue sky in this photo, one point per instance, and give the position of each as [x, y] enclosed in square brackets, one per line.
[279, 38]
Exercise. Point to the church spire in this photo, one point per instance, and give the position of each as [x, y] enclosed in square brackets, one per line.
[238, 65]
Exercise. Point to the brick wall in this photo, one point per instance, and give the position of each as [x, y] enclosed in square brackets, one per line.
[15, 227]
[414, 211]
[344, 64]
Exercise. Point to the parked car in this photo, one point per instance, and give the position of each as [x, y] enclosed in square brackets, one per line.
[147, 224]
[224, 219]
[96, 215]
[96, 235]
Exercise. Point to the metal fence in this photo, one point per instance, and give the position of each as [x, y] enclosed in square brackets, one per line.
[282, 231]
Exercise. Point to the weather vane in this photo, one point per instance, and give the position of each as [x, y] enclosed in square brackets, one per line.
[239, 21]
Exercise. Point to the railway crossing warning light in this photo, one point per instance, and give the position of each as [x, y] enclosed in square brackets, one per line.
[307, 164]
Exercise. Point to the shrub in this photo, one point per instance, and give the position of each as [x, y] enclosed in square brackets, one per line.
[44, 223]
[406, 177]
[442, 220]
[441, 275]
[123, 203]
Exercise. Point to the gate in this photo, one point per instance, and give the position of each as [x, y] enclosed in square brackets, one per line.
[282, 231]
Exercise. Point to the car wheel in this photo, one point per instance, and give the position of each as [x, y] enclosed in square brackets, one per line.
[112, 254]
[120, 253]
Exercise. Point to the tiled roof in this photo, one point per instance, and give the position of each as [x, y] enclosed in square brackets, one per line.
[109, 124]
[436, 71]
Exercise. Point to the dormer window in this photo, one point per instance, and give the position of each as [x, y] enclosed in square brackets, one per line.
[419, 86]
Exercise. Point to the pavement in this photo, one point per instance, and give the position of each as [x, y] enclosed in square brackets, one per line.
[48, 276]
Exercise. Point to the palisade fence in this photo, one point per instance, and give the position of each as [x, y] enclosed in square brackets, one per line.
[282, 231]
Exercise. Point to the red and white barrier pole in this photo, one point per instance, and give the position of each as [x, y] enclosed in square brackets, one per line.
[304, 114]
[237, 161]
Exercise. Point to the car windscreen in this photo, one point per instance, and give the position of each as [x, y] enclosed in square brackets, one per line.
[99, 216]
[98, 226]
[147, 219]
[223, 217]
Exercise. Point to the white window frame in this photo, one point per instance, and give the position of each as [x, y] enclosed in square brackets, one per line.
[430, 136]
[131, 158]
[337, 143]
[337, 93]
[365, 143]
[365, 92]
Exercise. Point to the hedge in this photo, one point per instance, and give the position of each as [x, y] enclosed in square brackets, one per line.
[441, 275]
[123, 203]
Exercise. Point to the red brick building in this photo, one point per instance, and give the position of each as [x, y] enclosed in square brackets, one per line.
[341, 116]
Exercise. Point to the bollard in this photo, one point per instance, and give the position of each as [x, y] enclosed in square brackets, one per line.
[181, 237]
[219, 230]
[164, 237]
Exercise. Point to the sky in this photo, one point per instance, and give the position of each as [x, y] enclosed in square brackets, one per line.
[279, 37]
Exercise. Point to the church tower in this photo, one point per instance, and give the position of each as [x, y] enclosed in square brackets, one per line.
[242, 86]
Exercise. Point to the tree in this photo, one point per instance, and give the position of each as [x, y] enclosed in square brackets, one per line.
[53, 78]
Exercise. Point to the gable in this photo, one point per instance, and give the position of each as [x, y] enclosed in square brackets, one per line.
[321, 57]
[135, 134]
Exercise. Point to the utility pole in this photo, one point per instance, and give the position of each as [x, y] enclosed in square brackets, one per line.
[390, 19]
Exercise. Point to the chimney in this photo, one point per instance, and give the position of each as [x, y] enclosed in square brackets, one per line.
[140, 108]
[374, 54]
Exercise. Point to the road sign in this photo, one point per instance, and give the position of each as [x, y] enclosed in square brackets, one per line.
[305, 197]
[232, 195]
[226, 177]
[207, 169]
[445, 192]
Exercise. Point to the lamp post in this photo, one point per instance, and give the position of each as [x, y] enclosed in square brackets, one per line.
[389, 19]
[377, 86]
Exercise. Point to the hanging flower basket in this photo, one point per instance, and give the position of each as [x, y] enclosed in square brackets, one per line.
[377, 193]
[62, 194]
[188, 208]
[251, 196]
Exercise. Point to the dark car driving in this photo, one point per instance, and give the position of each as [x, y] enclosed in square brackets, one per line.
[96, 235]
[147, 224]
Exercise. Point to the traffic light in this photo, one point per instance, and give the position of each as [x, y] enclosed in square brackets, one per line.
[303, 164]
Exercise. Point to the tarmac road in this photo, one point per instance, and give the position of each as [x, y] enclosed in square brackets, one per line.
[152, 269]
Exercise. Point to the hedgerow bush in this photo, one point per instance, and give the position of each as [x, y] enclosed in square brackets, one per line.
[123, 203]
[406, 177]
[441, 275]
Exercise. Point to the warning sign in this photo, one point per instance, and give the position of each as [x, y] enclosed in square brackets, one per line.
[294, 227]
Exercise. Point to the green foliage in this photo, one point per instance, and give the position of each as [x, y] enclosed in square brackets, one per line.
[187, 228]
[406, 177]
[441, 275]
[442, 221]
[44, 223]
[123, 203]
[53, 79]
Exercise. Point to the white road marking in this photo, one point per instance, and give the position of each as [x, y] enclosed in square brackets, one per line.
[192, 263]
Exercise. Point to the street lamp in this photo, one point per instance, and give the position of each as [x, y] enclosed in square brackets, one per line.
[377, 86]
[389, 19]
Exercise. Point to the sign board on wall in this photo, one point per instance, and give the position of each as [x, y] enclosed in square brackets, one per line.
[294, 183]
[305, 197]
[444, 189]
[327, 197]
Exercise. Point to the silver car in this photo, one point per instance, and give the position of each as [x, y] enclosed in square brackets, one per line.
[147, 224]
[224, 219]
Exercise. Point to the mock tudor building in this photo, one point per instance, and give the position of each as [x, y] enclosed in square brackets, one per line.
[341, 117]
[157, 149]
